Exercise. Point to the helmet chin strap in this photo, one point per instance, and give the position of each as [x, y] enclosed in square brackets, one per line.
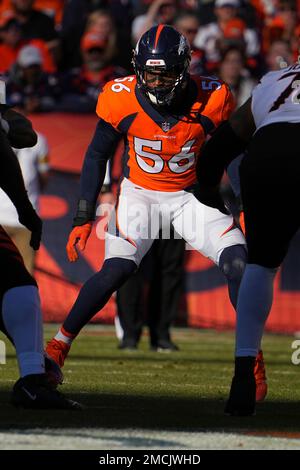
[152, 98]
[165, 99]
[162, 100]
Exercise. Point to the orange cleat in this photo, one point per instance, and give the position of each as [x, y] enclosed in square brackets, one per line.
[242, 222]
[57, 350]
[53, 372]
[260, 377]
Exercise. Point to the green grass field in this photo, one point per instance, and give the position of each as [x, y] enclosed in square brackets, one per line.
[183, 391]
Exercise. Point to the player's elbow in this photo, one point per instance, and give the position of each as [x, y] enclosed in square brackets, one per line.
[21, 133]
[23, 138]
[30, 137]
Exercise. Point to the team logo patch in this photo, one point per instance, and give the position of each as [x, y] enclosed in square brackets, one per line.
[181, 46]
[165, 126]
[155, 62]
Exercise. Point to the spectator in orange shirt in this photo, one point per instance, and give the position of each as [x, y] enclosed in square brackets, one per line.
[13, 41]
[81, 86]
[101, 22]
[265, 9]
[28, 87]
[34, 24]
[227, 25]
[285, 25]
[52, 8]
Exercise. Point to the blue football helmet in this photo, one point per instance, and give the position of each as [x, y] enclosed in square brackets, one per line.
[161, 61]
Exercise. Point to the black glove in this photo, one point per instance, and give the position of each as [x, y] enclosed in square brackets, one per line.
[29, 218]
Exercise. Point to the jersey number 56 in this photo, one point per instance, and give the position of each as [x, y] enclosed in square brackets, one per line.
[178, 163]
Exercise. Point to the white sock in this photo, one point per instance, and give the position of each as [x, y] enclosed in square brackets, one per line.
[63, 335]
[118, 328]
[22, 319]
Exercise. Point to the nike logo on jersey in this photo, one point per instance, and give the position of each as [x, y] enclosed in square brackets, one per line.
[32, 397]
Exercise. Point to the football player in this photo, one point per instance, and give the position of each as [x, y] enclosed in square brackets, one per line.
[267, 125]
[164, 117]
[20, 315]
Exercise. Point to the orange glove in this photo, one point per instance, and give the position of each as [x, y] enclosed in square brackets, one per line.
[80, 235]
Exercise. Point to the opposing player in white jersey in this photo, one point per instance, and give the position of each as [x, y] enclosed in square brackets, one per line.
[267, 126]
[20, 312]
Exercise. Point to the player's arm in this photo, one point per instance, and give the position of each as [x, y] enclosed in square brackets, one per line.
[242, 122]
[227, 142]
[101, 148]
[17, 127]
[12, 183]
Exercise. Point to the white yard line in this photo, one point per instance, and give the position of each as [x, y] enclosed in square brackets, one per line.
[137, 439]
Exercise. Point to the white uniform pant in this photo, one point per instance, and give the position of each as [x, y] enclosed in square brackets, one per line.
[140, 214]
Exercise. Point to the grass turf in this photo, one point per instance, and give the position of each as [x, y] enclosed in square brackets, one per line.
[184, 390]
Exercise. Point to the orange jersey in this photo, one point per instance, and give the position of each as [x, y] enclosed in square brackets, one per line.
[161, 150]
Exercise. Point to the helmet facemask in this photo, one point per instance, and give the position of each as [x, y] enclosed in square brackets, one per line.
[162, 85]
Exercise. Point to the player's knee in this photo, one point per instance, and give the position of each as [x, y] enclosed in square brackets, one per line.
[15, 276]
[233, 262]
[119, 269]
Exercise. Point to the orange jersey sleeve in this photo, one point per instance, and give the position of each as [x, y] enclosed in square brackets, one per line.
[114, 101]
[218, 102]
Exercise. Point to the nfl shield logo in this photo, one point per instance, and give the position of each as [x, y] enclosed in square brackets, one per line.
[165, 126]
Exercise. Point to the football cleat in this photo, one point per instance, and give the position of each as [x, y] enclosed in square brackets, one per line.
[57, 350]
[53, 372]
[129, 344]
[34, 392]
[241, 401]
[164, 346]
[260, 377]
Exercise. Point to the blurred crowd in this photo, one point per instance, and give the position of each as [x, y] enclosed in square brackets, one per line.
[57, 54]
